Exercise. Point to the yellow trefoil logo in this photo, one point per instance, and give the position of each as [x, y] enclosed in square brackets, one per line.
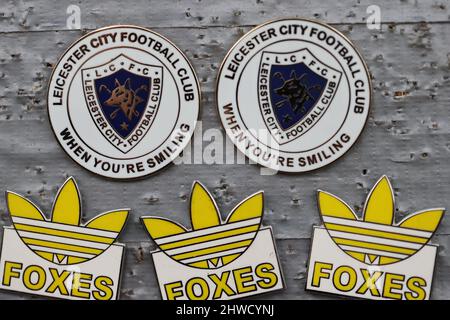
[212, 243]
[63, 239]
[376, 239]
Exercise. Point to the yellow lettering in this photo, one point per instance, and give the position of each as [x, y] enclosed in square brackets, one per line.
[263, 271]
[171, 293]
[369, 282]
[351, 281]
[204, 289]
[9, 272]
[78, 284]
[242, 277]
[41, 277]
[58, 281]
[104, 291]
[416, 284]
[318, 274]
[221, 284]
[393, 281]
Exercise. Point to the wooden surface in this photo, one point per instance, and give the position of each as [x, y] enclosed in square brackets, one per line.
[407, 136]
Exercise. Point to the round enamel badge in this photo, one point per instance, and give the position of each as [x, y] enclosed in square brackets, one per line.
[293, 95]
[123, 101]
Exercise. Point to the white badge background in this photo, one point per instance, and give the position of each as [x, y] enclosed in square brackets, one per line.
[173, 110]
[243, 94]
[108, 264]
[161, 128]
[260, 251]
[325, 250]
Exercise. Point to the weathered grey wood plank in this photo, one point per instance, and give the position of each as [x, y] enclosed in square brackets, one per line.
[407, 58]
[406, 138]
[290, 200]
[40, 15]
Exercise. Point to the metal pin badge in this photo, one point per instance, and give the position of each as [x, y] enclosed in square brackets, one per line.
[59, 256]
[293, 94]
[373, 256]
[123, 101]
[218, 259]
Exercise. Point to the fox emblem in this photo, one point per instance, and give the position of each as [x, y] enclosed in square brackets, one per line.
[295, 91]
[124, 99]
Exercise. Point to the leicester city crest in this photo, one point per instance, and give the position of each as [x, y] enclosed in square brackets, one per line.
[123, 97]
[293, 94]
[295, 89]
[123, 101]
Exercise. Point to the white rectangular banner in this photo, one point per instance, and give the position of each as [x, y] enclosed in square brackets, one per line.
[333, 271]
[256, 271]
[23, 270]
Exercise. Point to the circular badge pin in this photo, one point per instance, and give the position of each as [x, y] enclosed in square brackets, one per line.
[123, 101]
[293, 94]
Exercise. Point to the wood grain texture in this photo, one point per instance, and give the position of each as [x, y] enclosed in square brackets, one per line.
[38, 15]
[407, 135]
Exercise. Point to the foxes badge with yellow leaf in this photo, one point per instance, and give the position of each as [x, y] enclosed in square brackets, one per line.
[59, 256]
[373, 257]
[216, 260]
